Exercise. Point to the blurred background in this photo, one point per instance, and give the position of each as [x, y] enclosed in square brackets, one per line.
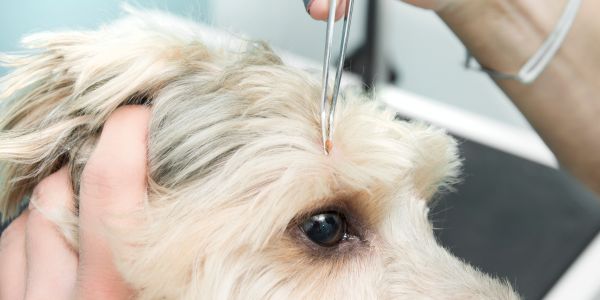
[424, 54]
[516, 215]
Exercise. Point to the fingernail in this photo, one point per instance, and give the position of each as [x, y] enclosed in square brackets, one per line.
[307, 4]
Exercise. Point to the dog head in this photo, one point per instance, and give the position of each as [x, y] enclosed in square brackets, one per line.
[242, 202]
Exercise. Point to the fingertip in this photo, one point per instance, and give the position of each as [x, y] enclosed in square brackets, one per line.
[53, 193]
[118, 164]
[319, 9]
[127, 124]
[123, 139]
[130, 113]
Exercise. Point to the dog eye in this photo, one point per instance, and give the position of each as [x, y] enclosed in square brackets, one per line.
[325, 229]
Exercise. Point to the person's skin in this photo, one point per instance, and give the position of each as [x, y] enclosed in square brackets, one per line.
[563, 104]
[36, 261]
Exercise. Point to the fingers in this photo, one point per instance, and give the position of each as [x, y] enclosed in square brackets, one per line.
[51, 263]
[12, 259]
[319, 9]
[113, 185]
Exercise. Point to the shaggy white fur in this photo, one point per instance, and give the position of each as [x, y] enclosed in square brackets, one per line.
[235, 164]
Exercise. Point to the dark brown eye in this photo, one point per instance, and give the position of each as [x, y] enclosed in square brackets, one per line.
[325, 229]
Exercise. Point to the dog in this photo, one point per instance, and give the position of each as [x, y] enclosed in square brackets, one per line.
[242, 201]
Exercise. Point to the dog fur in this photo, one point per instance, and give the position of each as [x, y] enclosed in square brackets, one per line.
[235, 162]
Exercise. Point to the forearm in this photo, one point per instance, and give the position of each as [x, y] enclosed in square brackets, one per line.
[563, 104]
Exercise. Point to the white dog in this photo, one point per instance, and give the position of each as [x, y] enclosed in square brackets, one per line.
[242, 203]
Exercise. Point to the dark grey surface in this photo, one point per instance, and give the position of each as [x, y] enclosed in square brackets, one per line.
[516, 219]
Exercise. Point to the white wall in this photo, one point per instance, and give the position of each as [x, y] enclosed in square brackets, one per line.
[430, 59]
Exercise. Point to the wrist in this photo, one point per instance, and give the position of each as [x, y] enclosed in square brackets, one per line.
[540, 13]
[502, 34]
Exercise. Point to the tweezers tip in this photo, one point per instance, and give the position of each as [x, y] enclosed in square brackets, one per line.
[328, 146]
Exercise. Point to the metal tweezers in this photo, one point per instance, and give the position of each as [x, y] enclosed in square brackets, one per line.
[328, 116]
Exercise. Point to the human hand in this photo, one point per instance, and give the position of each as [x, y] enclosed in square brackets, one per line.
[318, 9]
[35, 260]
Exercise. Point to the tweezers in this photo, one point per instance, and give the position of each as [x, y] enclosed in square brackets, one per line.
[328, 107]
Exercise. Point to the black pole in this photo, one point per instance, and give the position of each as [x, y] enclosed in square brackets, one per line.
[363, 61]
